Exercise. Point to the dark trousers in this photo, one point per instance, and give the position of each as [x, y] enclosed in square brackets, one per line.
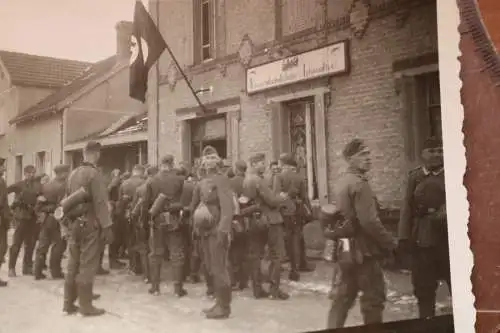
[201, 259]
[238, 258]
[50, 236]
[429, 266]
[366, 277]
[120, 227]
[142, 247]
[133, 253]
[293, 231]
[85, 247]
[26, 233]
[216, 261]
[160, 240]
[273, 237]
[187, 231]
[4, 228]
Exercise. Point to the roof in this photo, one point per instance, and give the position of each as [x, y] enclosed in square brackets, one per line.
[33, 70]
[123, 125]
[49, 103]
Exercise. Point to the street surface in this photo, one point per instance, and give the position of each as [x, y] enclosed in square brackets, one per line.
[30, 306]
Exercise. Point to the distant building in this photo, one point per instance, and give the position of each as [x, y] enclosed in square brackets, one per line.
[25, 80]
[301, 76]
[93, 105]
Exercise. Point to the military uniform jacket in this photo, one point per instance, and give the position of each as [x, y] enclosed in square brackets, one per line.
[5, 213]
[423, 213]
[256, 188]
[187, 193]
[128, 189]
[356, 201]
[237, 185]
[168, 183]
[53, 192]
[215, 192]
[26, 194]
[89, 177]
[294, 185]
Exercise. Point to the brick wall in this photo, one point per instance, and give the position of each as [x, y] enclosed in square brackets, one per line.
[364, 103]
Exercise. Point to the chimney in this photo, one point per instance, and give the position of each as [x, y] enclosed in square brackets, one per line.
[123, 43]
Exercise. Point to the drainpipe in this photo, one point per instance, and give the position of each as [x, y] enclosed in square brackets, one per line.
[61, 137]
[158, 90]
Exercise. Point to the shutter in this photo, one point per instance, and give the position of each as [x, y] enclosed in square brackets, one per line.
[196, 31]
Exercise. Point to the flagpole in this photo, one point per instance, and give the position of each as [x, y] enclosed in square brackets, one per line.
[186, 79]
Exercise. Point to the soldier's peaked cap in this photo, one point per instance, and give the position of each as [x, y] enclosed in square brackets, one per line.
[432, 142]
[61, 168]
[93, 146]
[167, 159]
[353, 147]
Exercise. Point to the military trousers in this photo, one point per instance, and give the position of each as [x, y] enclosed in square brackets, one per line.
[258, 238]
[216, 261]
[366, 277]
[142, 247]
[26, 233]
[4, 228]
[50, 238]
[85, 247]
[162, 239]
[238, 258]
[293, 235]
[120, 231]
[429, 266]
[132, 250]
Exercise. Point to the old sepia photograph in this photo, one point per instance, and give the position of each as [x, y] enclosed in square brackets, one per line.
[222, 166]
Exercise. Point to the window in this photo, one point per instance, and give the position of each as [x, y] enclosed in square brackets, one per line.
[204, 30]
[433, 104]
[19, 168]
[40, 162]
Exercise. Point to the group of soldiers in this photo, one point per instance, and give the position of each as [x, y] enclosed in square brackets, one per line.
[216, 222]
[220, 222]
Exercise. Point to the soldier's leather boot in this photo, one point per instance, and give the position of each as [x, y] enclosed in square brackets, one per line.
[57, 275]
[12, 272]
[294, 276]
[102, 271]
[222, 308]
[70, 295]
[155, 271]
[116, 264]
[145, 268]
[179, 290]
[85, 297]
[38, 272]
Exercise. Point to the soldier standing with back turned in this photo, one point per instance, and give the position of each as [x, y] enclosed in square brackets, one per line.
[361, 251]
[423, 227]
[50, 234]
[162, 203]
[89, 227]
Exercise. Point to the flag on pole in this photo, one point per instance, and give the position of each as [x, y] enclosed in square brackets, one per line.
[147, 46]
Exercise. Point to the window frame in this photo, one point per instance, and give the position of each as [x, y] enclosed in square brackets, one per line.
[198, 29]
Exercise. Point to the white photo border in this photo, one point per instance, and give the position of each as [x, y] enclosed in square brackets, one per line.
[461, 259]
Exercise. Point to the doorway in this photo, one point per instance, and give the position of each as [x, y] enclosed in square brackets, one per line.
[300, 125]
[209, 131]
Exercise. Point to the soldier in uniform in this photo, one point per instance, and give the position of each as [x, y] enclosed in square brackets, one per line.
[118, 218]
[294, 185]
[266, 228]
[423, 227]
[361, 251]
[90, 226]
[5, 216]
[192, 262]
[26, 194]
[126, 196]
[142, 224]
[50, 234]
[239, 247]
[162, 202]
[214, 207]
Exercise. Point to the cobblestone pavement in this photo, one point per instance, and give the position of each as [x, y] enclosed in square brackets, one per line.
[35, 306]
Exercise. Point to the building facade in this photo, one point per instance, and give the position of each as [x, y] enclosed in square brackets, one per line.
[25, 80]
[299, 76]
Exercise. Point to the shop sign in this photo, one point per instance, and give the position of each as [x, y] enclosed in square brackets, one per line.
[329, 60]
